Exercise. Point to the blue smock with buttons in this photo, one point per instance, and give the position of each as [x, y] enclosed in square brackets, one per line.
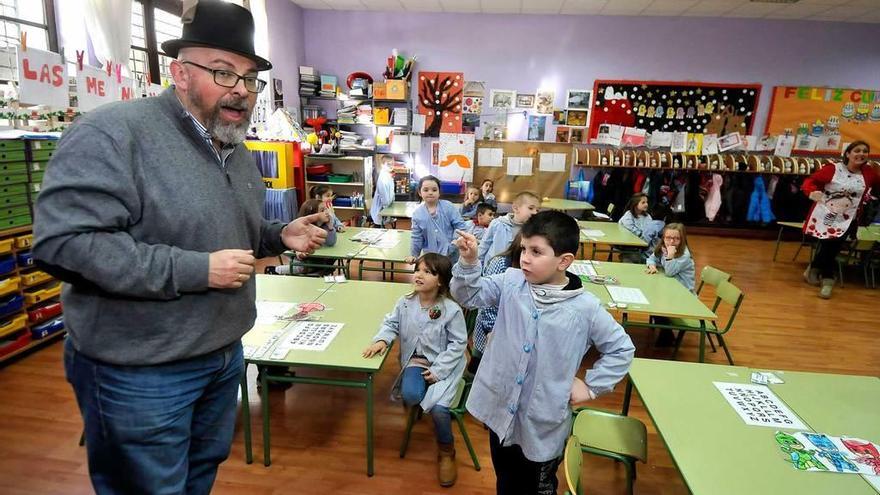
[522, 388]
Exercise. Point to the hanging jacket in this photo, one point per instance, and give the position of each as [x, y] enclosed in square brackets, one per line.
[713, 199]
[759, 204]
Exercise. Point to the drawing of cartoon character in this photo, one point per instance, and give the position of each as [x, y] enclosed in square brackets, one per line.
[837, 204]
[679, 113]
[862, 112]
[866, 453]
[875, 113]
[690, 112]
[802, 458]
[642, 110]
[848, 111]
[658, 112]
[670, 113]
[828, 450]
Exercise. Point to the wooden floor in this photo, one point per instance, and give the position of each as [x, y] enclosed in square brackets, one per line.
[318, 432]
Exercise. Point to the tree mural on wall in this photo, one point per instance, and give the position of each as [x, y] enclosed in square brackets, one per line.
[440, 101]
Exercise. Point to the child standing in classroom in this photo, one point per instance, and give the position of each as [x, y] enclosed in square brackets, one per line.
[324, 194]
[472, 199]
[500, 232]
[637, 220]
[433, 338]
[486, 317]
[546, 324]
[384, 196]
[302, 263]
[486, 191]
[674, 258]
[434, 222]
[482, 220]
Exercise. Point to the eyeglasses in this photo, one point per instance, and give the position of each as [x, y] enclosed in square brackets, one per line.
[229, 79]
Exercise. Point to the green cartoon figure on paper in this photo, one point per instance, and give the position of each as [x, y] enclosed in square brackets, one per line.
[802, 458]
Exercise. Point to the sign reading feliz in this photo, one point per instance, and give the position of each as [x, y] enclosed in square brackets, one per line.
[831, 94]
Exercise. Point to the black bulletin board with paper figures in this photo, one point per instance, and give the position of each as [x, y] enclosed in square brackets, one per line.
[708, 108]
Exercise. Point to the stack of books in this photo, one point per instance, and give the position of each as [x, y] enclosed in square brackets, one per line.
[308, 81]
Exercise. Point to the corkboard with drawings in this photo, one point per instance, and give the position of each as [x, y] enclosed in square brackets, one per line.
[544, 184]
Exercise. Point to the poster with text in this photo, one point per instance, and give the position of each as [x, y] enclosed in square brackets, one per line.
[852, 114]
[42, 79]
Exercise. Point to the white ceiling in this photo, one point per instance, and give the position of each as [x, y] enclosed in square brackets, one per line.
[817, 10]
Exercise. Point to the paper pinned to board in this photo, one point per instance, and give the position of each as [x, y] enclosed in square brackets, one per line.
[418, 123]
[490, 157]
[518, 165]
[552, 162]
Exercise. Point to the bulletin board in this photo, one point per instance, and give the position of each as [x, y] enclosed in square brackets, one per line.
[544, 184]
[711, 108]
[854, 113]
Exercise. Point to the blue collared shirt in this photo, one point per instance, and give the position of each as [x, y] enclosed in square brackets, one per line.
[224, 152]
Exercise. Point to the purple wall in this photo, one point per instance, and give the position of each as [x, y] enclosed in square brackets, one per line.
[523, 52]
[286, 46]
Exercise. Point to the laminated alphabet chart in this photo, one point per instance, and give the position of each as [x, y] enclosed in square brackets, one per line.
[306, 336]
[757, 405]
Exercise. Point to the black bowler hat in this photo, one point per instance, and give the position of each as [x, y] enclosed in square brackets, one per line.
[220, 25]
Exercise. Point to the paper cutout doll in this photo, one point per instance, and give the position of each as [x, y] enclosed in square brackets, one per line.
[799, 456]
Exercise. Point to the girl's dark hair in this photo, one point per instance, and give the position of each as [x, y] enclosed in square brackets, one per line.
[317, 191]
[851, 147]
[489, 181]
[441, 266]
[513, 251]
[634, 201]
[678, 227]
[310, 207]
[428, 178]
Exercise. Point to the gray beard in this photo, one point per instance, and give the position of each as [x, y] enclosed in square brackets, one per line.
[221, 131]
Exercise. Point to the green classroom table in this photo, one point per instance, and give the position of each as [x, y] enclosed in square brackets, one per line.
[360, 305]
[719, 454]
[870, 233]
[396, 254]
[613, 235]
[405, 209]
[342, 252]
[666, 297]
[565, 204]
[789, 225]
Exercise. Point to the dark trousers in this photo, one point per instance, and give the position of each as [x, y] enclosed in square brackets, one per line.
[516, 475]
[825, 259]
[161, 429]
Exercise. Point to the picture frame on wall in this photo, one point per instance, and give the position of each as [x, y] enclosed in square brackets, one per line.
[563, 134]
[559, 116]
[524, 100]
[502, 98]
[578, 99]
[577, 118]
[544, 101]
[577, 135]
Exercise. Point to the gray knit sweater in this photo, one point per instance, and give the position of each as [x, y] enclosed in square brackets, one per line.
[133, 202]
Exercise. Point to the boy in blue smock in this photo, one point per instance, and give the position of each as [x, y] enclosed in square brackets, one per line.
[546, 324]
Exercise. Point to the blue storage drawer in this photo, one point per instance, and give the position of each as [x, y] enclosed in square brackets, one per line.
[43, 330]
[7, 265]
[11, 304]
[25, 259]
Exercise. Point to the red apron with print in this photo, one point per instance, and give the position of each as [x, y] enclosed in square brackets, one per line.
[832, 216]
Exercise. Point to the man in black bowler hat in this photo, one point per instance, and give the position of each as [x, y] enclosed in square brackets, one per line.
[151, 213]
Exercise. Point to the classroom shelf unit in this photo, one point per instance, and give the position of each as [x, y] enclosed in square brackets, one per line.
[351, 172]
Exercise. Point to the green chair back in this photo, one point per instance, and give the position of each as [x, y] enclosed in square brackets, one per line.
[712, 276]
[731, 295]
[573, 459]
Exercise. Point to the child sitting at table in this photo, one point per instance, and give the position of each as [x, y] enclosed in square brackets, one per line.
[434, 222]
[472, 199]
[503, 229]
[433, 338]
[637, 220]
[674, 258]
[485, 215]
[486, 188]
[324, 194]
[302, 263]
[527, 377]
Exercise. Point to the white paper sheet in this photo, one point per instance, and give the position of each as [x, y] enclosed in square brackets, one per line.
[592, 233]
[418, 123]
[490, 157]
[582, 268]
[371, 235]
[629, 295]
[660, 139]
[552, 162]
[679, 142]
[268, 312]
[517, 165]
[757, 405]
[710, 144]
[306, 336]
[784, 144]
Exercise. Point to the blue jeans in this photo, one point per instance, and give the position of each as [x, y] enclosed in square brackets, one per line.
[161, 429]
[413, 387]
